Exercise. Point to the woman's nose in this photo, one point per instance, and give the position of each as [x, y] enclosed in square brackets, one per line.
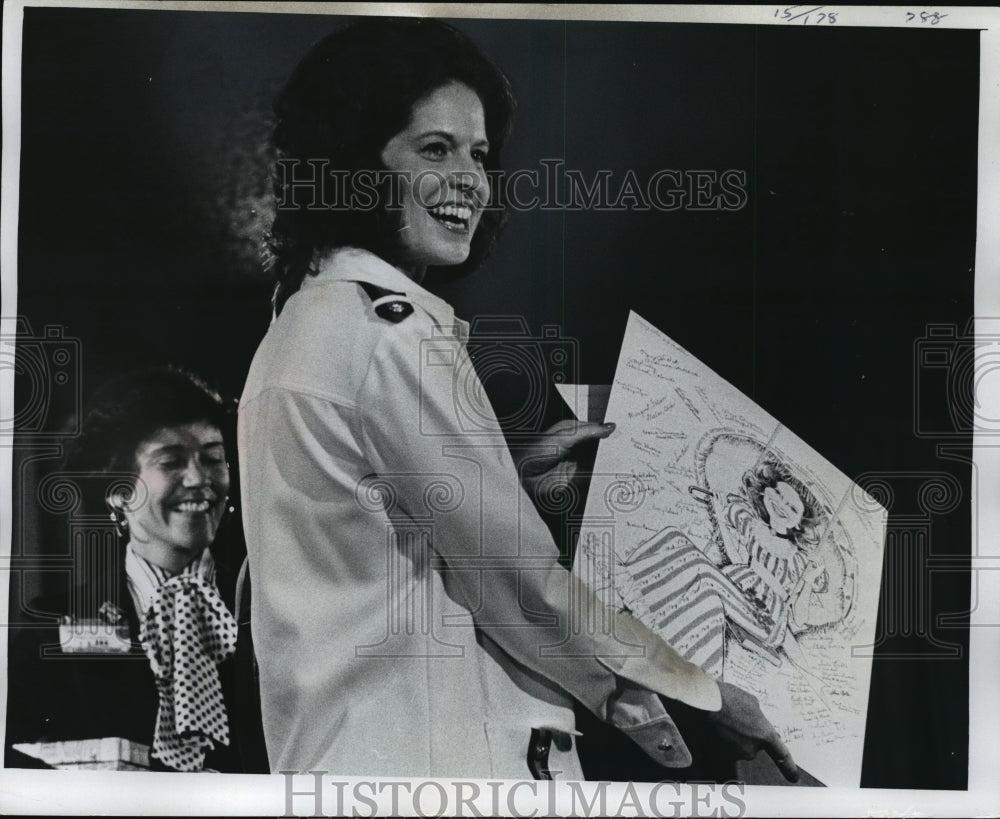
[194, 474]
[470, 178]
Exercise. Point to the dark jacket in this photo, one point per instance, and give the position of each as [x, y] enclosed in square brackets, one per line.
[54, 696]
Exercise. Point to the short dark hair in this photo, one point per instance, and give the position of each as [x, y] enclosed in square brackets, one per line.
[767, 473]
[352, 92]
[128, 409]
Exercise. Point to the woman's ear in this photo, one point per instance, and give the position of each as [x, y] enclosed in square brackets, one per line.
[115, 499]
[117, 506]
[125, 494]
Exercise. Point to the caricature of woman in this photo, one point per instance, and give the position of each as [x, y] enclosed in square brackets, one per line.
[776, 540]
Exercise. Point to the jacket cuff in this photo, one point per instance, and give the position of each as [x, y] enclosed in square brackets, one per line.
[640, 715]
[659, 667]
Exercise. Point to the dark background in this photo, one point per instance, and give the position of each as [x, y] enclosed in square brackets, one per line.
[144, 196]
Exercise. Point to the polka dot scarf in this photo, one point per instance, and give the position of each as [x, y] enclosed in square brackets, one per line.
[187, 631]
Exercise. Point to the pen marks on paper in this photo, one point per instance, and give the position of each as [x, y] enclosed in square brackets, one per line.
[746, 550]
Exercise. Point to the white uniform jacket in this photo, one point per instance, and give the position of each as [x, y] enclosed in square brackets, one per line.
[409, 614]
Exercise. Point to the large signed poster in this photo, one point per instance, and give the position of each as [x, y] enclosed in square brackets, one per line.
[743, 547]
[802, 198]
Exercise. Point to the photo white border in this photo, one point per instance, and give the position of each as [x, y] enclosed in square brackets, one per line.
[61, 792]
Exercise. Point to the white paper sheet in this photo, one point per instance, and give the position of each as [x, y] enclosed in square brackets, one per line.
[739, 544]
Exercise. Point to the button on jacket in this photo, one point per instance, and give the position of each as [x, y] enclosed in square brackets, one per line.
[409, 613]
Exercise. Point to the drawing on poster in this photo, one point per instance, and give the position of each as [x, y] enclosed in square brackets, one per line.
[740, 545]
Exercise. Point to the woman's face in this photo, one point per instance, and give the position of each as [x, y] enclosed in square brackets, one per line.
[443, 186]
[784, 507]
[180, 494]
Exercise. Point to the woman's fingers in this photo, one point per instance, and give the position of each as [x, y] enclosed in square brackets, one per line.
[556, 444]
[568, 434]
[745, 728]
[778, 751]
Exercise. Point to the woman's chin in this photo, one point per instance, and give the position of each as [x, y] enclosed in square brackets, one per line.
[446, 262]
[450, 254]
[193, 538]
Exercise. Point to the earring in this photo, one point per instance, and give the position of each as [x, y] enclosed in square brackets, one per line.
[230, 508]
[119, 520]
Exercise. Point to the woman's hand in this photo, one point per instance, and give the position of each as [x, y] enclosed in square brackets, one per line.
[547, 465]
[744, 728]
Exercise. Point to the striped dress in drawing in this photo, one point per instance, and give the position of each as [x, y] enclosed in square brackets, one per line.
[771, 572]
[683, 596]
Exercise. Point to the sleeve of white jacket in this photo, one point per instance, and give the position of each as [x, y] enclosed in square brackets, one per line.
[425, 420]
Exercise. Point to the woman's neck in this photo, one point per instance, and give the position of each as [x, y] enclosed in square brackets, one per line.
[411, 271]
[171, 559]
[416, 274]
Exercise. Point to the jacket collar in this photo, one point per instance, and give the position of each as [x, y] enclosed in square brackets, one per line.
[355, 264]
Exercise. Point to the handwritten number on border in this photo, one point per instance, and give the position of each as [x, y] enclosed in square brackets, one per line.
[806, 14]
[932, 17]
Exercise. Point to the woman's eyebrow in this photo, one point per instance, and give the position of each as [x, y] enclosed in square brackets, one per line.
[451, 139]
[164, 449]
[167, 449]
[440, 134]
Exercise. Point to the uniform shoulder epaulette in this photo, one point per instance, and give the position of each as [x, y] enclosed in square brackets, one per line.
[388, 304]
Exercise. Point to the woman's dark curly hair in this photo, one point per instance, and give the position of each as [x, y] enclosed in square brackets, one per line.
[351, 93]
[129, 409]
[767, 474]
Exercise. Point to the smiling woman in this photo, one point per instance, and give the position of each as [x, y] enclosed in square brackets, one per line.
[410, 613]
[352, 94]
[145, 653]
[439, 160]
[183, 472]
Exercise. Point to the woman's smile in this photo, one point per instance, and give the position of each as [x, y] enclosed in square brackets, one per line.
[184, 479]
[193, 507]
[455, 218]
[440, 158]
[784, 506]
